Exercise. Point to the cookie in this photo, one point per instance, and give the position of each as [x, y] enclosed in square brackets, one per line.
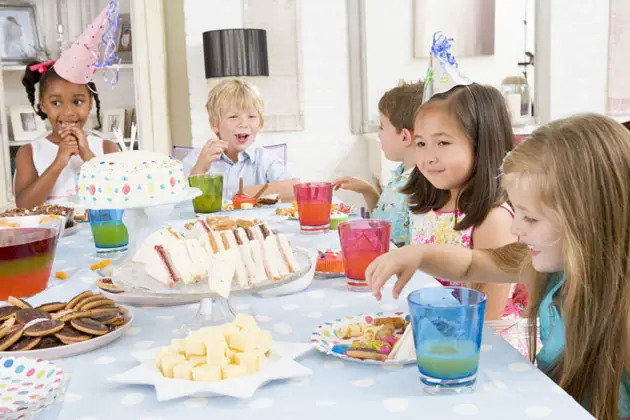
[97, 303]
[24, 316]
[396, 321]
[7, 326]
[48, 342]
[78, 314]
[108, 285]
[94, 298]
[47, 327]
[11, 338]
[366, 354]
[20, 303]
[90, 326]
[69, 335]
[73, 302]
[63, 315]
[106, 317]
[105, 309]
[52, 306]
[25, 343]
[7, 312]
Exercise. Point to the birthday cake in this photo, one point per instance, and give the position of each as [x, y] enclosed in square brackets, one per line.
[135, 178]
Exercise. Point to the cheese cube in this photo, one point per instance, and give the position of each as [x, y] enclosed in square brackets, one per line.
[244, 321]
[229, 353]
[228, 330]
[195, 346]
[164, 352]
[211, 333]
[169, 362]
[206, 373]
[231, 371]
[245, 339]
[264, 341]
[260, 360]
[183, 370]
[200, 360]
[178, 345]
[248, 360]
[215, 353]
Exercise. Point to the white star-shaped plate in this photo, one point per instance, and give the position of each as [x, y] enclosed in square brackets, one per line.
[278, 365]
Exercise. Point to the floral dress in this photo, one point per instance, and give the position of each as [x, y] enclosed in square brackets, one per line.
[393, 206]
[439, 227]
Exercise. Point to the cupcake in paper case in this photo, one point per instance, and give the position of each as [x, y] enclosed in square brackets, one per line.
[329, 262]
[337, 217]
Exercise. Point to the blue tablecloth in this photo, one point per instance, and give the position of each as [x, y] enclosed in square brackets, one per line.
[509, 387]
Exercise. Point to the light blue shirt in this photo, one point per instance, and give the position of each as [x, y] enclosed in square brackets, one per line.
[552, 335]
[256, 166]
[394, 206]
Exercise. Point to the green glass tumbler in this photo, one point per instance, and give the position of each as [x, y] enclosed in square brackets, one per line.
[211, 198]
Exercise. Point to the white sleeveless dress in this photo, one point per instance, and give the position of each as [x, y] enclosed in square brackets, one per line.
[44, 154]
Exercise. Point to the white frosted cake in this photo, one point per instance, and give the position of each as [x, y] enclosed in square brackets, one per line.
[127, 179]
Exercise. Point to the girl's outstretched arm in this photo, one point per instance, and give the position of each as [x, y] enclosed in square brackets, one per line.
[449, 262]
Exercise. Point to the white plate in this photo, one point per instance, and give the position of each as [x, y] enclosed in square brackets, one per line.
[136, 299]
[324, 338]
[60, 352]
[279, 365]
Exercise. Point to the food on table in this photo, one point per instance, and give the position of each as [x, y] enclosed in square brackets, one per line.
[339, 212]
[26, 257]
[100, 265]
[218, 250]
[126, 179]
[242, 201]
[43, 210]
[329, 261]
[341, 208]
[231, 350]
[52, 324]
[337, 217]
[269, 200]
[61, 275]
[382, 339]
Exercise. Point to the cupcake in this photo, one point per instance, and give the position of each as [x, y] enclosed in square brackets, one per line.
[337, 217]
[329, 261]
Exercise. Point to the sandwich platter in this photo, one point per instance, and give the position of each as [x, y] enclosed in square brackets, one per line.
[209, 260]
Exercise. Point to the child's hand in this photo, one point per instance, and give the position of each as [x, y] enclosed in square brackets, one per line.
[68, 147]
[84, 148]
[351, 184]
[402, 262]
[210, 153]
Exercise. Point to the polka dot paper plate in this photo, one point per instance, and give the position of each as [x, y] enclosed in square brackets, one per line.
[326, 340]
[27, 386]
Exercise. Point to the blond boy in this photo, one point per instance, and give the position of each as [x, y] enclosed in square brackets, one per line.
[235, 115]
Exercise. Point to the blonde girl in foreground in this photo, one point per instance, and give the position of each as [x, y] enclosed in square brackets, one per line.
[570, 187]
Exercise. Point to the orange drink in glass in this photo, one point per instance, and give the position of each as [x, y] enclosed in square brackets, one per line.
[314, 202]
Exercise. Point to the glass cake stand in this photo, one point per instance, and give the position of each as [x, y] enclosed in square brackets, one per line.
[214, 309]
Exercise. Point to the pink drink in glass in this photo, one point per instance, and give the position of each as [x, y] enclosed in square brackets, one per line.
[361, 242]
[314, 201]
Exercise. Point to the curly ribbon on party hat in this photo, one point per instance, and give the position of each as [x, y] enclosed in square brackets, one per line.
[78, 63]
[41, 67]
[443, 72]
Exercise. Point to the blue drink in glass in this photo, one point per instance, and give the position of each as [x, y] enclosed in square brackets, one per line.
[447, 324]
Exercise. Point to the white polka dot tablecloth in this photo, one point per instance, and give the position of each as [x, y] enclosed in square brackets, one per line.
[508, 386]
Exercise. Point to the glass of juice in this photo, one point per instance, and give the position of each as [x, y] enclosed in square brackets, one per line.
[109, 232]
[361, 242]
[26, 257]
[211, 198]
[447, 323]
[314, 202]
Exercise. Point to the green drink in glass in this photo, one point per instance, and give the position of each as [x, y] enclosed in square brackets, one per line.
[211, 198]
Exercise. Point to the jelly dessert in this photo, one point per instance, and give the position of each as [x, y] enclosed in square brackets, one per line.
[26, 257]
[242, 200]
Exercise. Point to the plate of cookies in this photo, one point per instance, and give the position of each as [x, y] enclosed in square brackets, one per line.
[383, 338]
[55, 330]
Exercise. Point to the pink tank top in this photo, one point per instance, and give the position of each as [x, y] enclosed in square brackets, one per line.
[438, 227]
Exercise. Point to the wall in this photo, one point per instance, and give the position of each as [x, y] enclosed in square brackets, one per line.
[572, 66]
[325, 148]
[390, 46]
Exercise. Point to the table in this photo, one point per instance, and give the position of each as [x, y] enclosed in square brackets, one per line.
[509, 387]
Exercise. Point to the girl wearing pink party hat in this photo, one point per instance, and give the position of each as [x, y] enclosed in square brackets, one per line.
[47, 168]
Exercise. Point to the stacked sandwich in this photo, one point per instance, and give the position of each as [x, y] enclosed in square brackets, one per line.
[245, 253]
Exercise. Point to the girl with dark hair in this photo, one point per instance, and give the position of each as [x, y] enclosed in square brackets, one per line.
[46, 169]
[461, 138]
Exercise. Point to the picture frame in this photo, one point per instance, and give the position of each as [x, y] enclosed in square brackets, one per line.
[113, 118]
[124, 39]
[19, 35]
[26, 124]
